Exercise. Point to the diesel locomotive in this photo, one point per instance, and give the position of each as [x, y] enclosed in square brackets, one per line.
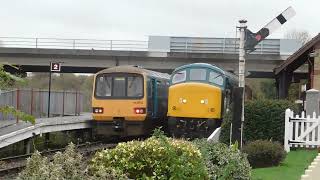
[199, 95]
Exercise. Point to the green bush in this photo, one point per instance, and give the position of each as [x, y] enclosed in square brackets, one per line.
[264, 119]
[224, 162]
[263, 153]
[66, 165]
[158, 157]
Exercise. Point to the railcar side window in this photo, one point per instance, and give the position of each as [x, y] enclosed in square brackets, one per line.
[135, 86]
[104, 86]
[179, 77]
[198, 74]
[216, 78]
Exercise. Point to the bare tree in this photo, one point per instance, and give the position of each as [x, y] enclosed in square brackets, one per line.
[302, 36]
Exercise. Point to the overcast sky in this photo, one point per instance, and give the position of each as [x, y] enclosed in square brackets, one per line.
[136, 19]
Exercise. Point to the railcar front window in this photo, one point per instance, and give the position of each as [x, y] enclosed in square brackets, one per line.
[104, 86]
[135, 87]
[179, 77]
[119, 86]
[198, 74]
[216, 78]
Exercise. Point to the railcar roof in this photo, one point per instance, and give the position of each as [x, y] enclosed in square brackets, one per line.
[210, 66]
[135, 69]
[204, 65]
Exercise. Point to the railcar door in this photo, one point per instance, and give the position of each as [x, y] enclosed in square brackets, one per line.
[152, 98]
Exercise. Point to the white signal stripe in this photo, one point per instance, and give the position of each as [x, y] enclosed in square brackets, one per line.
[275, 24]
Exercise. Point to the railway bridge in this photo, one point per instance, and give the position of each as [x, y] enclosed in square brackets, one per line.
[160, 53]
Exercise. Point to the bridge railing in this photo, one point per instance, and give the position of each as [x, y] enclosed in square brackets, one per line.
[220, 45]
[52, 43]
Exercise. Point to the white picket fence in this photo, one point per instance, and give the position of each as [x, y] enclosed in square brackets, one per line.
[301, 131]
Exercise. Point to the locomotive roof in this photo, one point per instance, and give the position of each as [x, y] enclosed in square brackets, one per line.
[230, 76]
[135, 69]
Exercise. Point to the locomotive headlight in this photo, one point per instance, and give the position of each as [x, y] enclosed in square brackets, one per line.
[202, 101]
[184, 101]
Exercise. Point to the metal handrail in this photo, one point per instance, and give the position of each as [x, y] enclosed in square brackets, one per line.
[219, 45]
[38, 43]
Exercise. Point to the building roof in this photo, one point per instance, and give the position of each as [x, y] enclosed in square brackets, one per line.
[292, 60]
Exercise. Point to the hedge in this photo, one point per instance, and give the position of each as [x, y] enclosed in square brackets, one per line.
[264, 119]
[224, 162]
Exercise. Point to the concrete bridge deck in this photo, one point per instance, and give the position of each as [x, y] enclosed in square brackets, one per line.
[12, 132]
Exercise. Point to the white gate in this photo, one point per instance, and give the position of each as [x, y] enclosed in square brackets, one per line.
[301, 131]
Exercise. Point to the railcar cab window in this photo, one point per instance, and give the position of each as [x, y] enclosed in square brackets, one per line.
[119, 86]
[216, 78]
[179, 77]
[198, 74]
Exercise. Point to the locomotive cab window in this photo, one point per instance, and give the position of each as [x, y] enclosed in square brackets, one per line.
[119, 86]
[179, 77]
[198, 74]
[216, 78]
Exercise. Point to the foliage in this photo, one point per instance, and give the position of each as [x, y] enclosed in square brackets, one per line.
[66, 165]
[264, 119]
[65, 81]
[6, 110]
[292, 168]
[225, 127]
[158, 157]
[263, 153]
[302, 36]
[224, 162]
[36, 168]
[7, 81]
[269, 89]
[262, 88]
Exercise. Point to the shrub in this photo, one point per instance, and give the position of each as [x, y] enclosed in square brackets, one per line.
[264, 119]
[224, 162]
[158, 157]
[262, 153]
[66, 165]
[225, 128]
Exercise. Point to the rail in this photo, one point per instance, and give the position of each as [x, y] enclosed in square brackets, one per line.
[53, 43]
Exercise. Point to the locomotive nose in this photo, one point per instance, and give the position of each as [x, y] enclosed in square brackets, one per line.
[194, 100]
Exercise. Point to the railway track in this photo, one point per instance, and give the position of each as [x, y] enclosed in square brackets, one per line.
[12, 165]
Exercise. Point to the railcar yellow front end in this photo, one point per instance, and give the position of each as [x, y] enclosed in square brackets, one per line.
[119, 104]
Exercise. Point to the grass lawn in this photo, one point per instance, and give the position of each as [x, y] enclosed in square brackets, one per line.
[291, 169]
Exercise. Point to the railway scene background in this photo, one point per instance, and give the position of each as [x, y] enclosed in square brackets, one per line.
[159, 90]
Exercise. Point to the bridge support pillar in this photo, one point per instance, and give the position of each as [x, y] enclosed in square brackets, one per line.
[27, 145]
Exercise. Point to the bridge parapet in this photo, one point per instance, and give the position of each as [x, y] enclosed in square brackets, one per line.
[55, 43]
[220, 45]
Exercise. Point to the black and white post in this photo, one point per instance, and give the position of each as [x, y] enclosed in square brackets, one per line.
[242, 63]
